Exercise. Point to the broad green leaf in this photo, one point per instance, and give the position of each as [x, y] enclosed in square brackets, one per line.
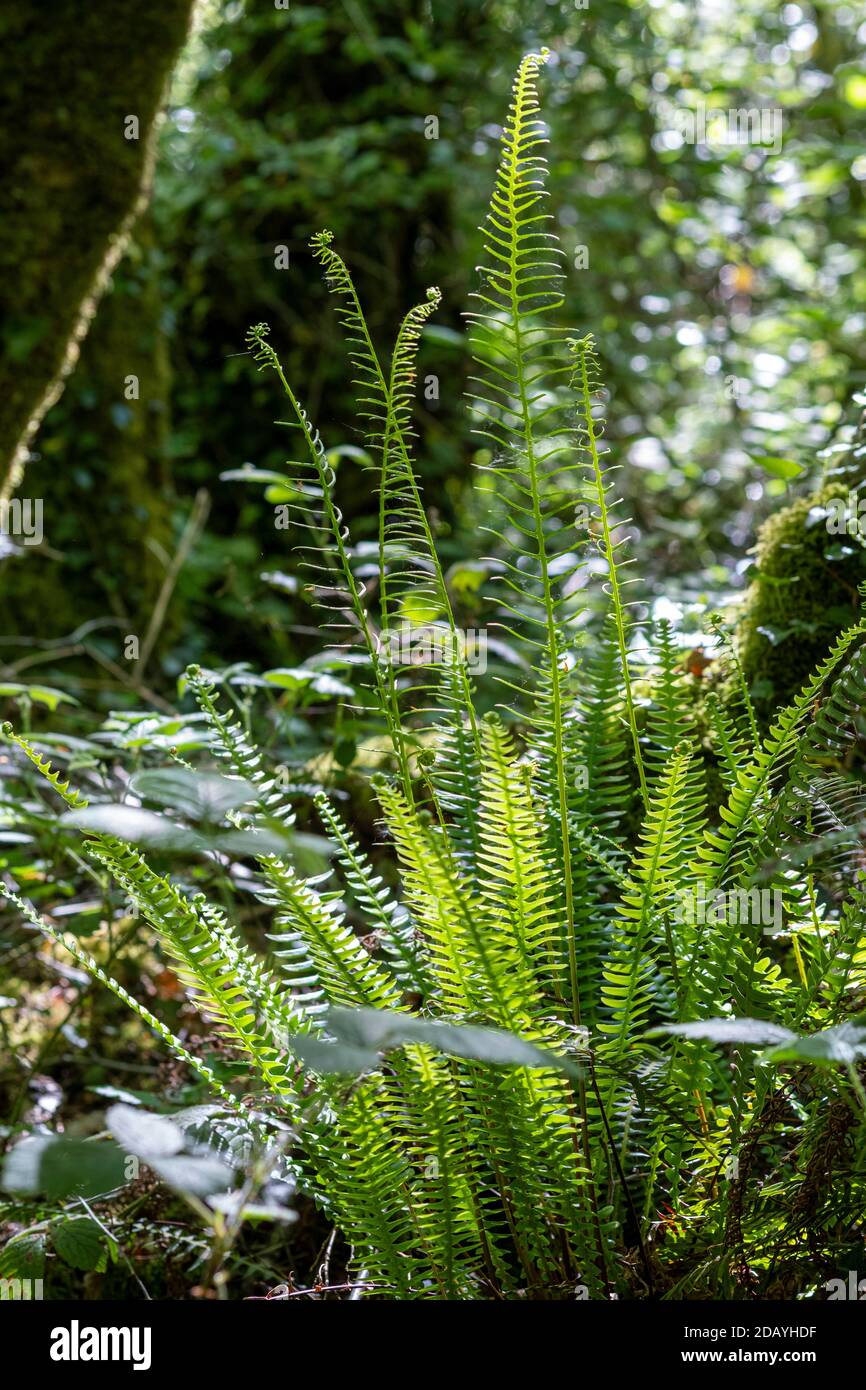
[256, 475]
[854, 89]
[779, 467]
[152, 831]
[63, 1167]
[197, 795]
[753, 1031]
[200, 1175]
[135, 825]
[301, 677]
[362, 1035]
[158, 1142]
[835, 1046]
[23, 1256]
[144, 1134]
[41, 694]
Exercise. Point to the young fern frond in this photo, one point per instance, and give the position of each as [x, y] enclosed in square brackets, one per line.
[369, 379]
[411, 581]
[331, 547]
[520, 408]
[74, 800]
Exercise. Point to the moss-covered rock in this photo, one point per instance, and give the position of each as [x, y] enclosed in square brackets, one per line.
[811, 557]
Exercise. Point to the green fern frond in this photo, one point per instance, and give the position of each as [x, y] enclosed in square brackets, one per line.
[232, 745]
[324, 956]
[212, 963]
[74, 800]
[72, 947]
[519, 900]
[385, 918]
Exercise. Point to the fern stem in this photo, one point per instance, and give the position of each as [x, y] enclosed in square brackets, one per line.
[619, 618]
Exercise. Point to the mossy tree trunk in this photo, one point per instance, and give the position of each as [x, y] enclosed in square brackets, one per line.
[100, 466]
[80, 89]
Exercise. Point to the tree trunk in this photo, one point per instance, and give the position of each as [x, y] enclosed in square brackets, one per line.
[80, 89]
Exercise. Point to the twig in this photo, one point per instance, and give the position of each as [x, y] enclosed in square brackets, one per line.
[197, 518]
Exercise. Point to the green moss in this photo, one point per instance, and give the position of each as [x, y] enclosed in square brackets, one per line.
[806, 587]
[72, 179]
[101, 468]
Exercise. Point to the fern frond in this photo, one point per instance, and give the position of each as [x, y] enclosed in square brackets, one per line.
[74, 800]
[87, 962]
[519, 901]
[324, 956]
[387, 920]
[232, 745]
[212, 963]
[519, 406]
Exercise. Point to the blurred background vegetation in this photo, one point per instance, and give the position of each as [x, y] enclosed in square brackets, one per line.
[726, 286]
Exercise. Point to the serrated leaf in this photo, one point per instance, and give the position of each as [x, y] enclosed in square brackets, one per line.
[80, 1243]
[23, 1257]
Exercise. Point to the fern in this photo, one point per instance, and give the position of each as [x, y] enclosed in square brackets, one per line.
[490, 1034]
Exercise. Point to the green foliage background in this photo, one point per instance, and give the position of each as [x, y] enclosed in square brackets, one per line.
[725, 283]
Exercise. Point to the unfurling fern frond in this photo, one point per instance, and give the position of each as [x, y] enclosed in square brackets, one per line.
[423, 652]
